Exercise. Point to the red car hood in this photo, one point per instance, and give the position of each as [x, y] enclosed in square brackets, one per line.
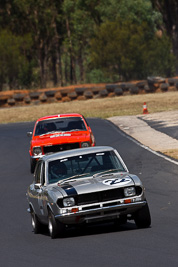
[60, 138]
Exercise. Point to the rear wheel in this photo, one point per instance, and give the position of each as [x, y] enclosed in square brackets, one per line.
[142, 217]
[55, 227]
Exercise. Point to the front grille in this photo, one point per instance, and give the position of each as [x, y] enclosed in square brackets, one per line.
[103, 196]
[87, 198]
[58, 148]
[112, 194]
[91, 207]
[100, 196]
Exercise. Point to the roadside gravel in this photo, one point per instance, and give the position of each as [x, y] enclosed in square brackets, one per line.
[142, 132]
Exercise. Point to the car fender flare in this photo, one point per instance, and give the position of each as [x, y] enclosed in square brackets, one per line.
[49, 208]
[31, 207]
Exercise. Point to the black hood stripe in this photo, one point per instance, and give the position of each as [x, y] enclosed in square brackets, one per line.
[69, 189]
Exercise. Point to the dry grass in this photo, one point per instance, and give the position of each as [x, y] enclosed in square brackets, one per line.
[103, 108]
[171, 153]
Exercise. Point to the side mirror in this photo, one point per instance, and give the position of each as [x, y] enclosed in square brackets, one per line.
[29, 134]
[37, 186]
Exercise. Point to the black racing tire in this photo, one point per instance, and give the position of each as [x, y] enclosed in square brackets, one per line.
[32, 165]
[80, 90]
[56, 228]
[88, 94]
[164, 87]
[142, 217]
[50, 93]
[36, 225]
[103, 93]
[34, 95]
[72, 95]
[118, 91]
[134, 90]
[111, 87]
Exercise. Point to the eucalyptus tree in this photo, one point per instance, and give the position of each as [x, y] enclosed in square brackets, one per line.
[41, 19]
[127, 44]
[169, 11]
[79, 29]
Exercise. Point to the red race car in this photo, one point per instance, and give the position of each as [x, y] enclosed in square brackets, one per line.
[58, 133]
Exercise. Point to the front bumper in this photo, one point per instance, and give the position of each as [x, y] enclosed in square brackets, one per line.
[99, 212]
[37, 157]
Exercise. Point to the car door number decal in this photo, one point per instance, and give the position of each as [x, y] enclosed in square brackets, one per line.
[116, 181]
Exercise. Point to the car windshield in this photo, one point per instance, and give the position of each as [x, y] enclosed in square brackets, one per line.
[65, 124]
[77, 167]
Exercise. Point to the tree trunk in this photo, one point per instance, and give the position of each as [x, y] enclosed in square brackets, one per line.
[71, 53]
[43, 67]
[169, 11]
[54, 69]
[60, 73]
[81, 67]
[66, 78]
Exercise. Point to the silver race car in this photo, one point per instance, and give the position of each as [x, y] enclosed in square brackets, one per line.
[82, 186]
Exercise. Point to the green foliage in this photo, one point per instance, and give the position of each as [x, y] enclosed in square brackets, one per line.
[99, 76]
[12, 56]
[159, 60]
[82, 41]
[135, 11]
[130, 50]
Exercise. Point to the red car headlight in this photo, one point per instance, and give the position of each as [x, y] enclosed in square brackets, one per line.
[85, 144]
[37, 151]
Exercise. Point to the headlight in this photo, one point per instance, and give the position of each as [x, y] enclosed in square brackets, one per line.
[37, 151]
[68, 202]
[129, 191]
[85, 144]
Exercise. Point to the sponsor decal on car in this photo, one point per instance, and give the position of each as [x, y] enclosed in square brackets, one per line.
[116, 181]
[57, 135]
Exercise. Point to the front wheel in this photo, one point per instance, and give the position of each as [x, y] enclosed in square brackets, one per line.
[55, 228]
[142, 217]
[36, 225]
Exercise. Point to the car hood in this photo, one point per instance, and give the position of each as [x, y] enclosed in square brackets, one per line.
[60, 138]
[94, 184]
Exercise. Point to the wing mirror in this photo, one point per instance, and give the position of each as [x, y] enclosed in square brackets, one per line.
[29, 134]
[37, 186]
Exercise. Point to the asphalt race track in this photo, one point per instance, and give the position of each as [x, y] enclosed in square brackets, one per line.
[161, 127]
[100, 245]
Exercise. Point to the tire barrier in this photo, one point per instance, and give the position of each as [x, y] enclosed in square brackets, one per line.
[85, 92]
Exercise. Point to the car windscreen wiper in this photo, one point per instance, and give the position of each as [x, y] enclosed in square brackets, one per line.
[73, 177]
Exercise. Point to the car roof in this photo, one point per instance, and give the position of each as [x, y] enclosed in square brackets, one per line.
[76, 152]
[60, 116]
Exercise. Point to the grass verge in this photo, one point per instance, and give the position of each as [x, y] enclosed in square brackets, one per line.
[102, 108]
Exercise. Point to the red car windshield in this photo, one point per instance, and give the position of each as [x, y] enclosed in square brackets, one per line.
[65, 124]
